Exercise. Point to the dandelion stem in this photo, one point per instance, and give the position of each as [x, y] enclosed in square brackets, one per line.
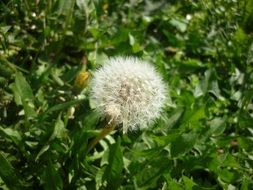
[106, 130]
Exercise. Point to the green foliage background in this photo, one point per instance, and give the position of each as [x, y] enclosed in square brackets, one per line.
[204, 51]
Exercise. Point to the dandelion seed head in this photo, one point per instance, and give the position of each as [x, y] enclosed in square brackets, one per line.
[129, 91]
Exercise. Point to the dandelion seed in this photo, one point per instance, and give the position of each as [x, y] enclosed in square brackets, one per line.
[129, 91]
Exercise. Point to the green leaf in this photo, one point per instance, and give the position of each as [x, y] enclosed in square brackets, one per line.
[210, 84]
[90, 120]
[99, 177]
[175, 186]
[63, 106]
[231, 161]
[42, 151]
[59, 129]
[165, 140]
[183, 144]
[171, 183]
[5, 71]
[197, 114]
[190, 66]
[228, 176]
[12, 134]
[60, 107]
[246, 184]
[82, 4]
[150, 171]
[245, 142]
[170, 121]
[217, 126]
[23, 93]
[94, 32]
[52, 178]
[3, 82]
[240, 35]
[4, 29]
[180, 24]
[113, 171]
[8, 174]
[23, 87]
[245, 120]
[192, 116]
[188, 183]
[136, 47]
[64, 7]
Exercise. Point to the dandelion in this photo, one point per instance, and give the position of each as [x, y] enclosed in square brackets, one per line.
[129, 91]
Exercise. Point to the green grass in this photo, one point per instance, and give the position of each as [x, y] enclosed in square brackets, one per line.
[204, 52]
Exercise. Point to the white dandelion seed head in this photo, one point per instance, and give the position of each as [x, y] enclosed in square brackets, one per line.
[129, 91]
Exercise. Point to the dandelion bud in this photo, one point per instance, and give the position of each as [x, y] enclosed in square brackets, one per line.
[81, 79]
[129, 91]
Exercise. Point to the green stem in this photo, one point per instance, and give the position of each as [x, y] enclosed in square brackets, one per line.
[107, 129]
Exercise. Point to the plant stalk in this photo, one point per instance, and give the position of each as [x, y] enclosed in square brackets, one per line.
[106, 130]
